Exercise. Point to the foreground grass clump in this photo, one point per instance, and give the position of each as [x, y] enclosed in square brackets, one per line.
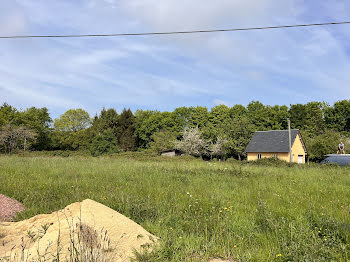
[200, 209]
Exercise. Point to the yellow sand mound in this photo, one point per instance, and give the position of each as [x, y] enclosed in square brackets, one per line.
[86, 229]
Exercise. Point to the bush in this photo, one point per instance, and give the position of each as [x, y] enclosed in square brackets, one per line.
[163, 140]
[106, 143]
[330, 165]
[271, 162]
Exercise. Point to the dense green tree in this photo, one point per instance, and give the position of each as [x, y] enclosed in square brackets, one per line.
[108, 119]
[297, 115]
[183, 116]
[343, 108]
[199, 117]
[338, 117]
[278, 117]
[69, 140]
[73, 120]
[148, 123]
[9, 115]
[38, 120]
[238, 111]
[145, 126]
[314, 122]
[218, 119]
[162, 141]
[104, 143]
[259, 115]
[238, 134]
[126, 131]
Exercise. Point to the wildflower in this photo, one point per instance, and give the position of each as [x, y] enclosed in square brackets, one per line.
[180, 237]
[220, 211]
[190, 195]
[278, 255]
[234, 246]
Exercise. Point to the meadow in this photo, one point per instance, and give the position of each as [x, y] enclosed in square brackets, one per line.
[199, 209]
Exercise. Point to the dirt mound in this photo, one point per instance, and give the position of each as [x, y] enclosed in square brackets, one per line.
[86, 229]
[9, 208]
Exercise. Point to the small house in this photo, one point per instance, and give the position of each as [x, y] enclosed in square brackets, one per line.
[275, 144]
[171, 153]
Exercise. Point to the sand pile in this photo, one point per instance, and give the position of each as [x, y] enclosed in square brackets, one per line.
[86, 229]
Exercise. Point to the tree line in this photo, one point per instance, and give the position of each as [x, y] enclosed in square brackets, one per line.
[221, 131]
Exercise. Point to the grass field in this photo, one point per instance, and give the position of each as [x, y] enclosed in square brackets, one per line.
[200, 209]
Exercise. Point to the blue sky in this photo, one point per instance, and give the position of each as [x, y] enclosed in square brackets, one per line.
[165, 72]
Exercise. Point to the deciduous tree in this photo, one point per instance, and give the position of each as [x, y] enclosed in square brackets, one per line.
[73, 120]
[192, 143]
[13, 137]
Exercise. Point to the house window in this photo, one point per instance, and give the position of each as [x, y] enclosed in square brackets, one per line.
[259, 156]
[275, 156]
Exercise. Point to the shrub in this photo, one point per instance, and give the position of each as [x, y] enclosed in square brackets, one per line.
[329, 165]
[271, 162]
[163, 140]
[106, 143]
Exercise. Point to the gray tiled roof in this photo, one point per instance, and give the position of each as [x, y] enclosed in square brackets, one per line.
[271, 141]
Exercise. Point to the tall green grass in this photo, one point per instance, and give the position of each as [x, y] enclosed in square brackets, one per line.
[199, 209]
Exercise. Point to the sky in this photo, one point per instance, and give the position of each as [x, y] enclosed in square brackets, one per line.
[287, 66]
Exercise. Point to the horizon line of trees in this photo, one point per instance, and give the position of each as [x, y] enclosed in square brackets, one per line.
[220, 132]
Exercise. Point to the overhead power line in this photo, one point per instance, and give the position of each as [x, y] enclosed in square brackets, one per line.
[174, 32]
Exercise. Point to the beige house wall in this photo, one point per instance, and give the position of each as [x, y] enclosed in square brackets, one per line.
[297, 150]
[254, 156]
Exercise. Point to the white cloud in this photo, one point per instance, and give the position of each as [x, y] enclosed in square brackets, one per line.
[219, 102]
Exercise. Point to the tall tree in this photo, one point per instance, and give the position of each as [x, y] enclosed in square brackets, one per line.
[108, 119]
[278, 117]
[148, 123]
[126, 131]
[73, 120]
[314, 122]
[238, 133]
[338, 116]
[298, 116]
[38, 120]
[9, 115]
[104, 143]
[199, 117]
[259, 115]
